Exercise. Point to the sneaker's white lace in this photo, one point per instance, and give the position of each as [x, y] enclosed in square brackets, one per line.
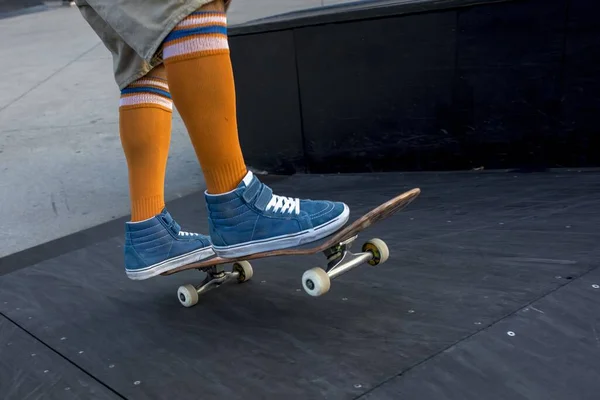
[284, 204]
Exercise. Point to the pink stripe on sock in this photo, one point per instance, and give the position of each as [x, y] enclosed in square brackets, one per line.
[152, 82]
[146, 98]
[193, 20]
[196, 44]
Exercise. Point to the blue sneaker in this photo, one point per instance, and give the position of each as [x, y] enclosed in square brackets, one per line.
[158, 244]
[251, 219]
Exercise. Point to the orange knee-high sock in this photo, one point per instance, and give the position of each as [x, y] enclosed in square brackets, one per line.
[200, 76]
[145, 113]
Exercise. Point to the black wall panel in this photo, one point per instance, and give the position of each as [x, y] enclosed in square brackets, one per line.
[376, 94]
[508, 83]
[268, 104]
[581, 100]
[11, 7]
[417, 85]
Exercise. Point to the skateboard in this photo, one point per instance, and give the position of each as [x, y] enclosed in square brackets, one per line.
[315, 281]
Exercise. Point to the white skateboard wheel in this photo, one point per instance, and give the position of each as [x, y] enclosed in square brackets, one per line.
[379, 249]
[187, 295]
[316, 282]
[244, 268]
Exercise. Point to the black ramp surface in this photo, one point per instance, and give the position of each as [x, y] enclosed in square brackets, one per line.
[548, 350]
[30, 370]
[472, 249]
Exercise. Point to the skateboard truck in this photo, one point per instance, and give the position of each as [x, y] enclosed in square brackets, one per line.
[215, 277]
[317, 281]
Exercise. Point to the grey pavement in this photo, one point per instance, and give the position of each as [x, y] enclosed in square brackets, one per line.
[61, 164]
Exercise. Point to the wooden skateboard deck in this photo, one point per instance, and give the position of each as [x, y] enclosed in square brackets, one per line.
[377, 214]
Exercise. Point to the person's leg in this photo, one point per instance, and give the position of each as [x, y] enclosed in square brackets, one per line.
[201, 79]
[154, 241]
[244, 215]
[145, 113]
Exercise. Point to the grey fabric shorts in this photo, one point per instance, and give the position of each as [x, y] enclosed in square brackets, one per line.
[133, 30]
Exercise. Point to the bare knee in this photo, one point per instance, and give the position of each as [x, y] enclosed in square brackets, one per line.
[158, 72]
[216, 5]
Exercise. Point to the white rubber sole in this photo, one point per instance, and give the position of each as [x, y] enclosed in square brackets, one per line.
[167, 265]
[285, 241]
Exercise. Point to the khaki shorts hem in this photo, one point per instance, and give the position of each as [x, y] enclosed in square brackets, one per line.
[153, 57]
[134, 39]
[168, 27]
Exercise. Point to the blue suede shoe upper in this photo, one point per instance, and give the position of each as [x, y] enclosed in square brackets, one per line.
[252, 212]
[158, 239]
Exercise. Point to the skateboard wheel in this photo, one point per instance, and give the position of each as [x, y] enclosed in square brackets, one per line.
[187, 295]
[316, 282]
[379, 249]
[244, 268]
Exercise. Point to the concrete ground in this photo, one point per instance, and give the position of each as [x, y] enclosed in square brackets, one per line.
[62, 167]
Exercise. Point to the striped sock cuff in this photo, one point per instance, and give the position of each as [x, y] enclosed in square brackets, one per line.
[147, 92]
[201, 33]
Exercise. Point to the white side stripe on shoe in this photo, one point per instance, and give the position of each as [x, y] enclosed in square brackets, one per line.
[182, 233]
[284, 204]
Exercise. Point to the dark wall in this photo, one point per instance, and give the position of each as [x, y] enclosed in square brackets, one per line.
[375, 92]
[269, 114]
[10, 7]
[421, 86]
[580, 91]
[507, 84]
